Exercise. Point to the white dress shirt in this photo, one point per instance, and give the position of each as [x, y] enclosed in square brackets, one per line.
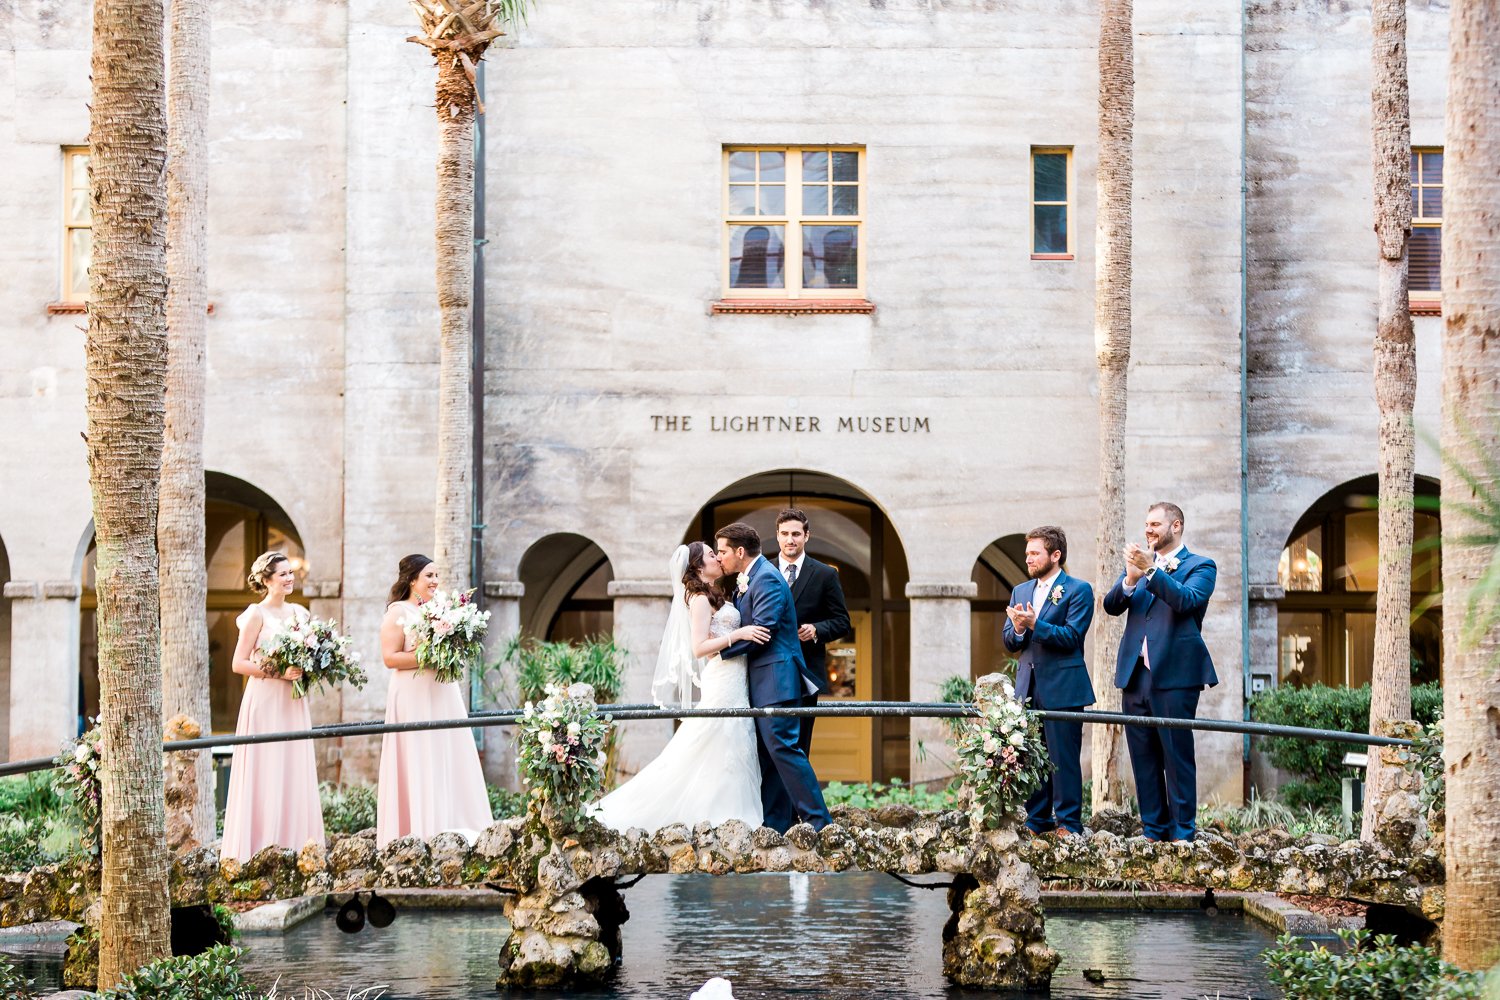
[782, 564]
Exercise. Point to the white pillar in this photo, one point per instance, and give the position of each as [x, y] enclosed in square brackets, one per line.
[939, 650]
[503, 602]
[641, 608]
[43, 666]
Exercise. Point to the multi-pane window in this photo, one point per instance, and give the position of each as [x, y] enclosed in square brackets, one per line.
[793, 222]
[1050, 202]
[78, 222]
[1426, 247]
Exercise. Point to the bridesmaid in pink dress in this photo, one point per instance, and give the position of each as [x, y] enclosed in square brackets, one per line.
[273, 787]
[430, 781]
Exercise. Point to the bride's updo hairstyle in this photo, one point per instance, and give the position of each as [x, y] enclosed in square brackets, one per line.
[693, 583]
[263, 569]
[407, 572]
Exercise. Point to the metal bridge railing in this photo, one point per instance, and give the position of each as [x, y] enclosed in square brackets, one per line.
[858, 709]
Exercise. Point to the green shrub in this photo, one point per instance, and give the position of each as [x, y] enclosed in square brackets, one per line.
[526, 667]
[29, 796]
[505, 803]
[213, 975]
[1318, 764]
[1370, 968]
[1263, 814]
[21, 845]
[348, 808]
[1425, 760]
[13, 985]
[872, 795]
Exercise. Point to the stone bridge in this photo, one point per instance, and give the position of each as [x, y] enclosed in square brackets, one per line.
[565, 908]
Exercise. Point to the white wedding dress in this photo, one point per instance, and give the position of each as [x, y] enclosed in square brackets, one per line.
[709, 770]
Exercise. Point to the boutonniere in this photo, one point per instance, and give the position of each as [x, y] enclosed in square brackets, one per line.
[744, 583]
[1056, 596]
[1172, 565]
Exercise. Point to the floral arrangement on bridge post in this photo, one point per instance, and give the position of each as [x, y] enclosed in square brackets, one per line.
[1001, 756]
[316, 648]
[78, 785]
[449, 634]
[561, 753]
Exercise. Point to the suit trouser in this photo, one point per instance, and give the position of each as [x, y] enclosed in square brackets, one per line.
[1058, 801]
[788, 786]
[804, 738]
[1163, 761]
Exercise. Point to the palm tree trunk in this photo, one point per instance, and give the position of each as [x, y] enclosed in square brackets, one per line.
[1395, 391]
[456, 102]
[125, 368]
[1471, 444]
[180, 530]
[1112, 280]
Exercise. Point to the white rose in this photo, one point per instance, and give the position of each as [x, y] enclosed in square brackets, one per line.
[574, 729]
[580, 690]
[81, 752]
[1017, 739]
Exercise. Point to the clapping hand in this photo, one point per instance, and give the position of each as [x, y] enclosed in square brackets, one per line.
[1021, 617]
[1137, 562]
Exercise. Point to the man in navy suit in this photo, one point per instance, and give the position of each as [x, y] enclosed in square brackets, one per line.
[822, 615]
[1163, 667]
[778, 677]
[1047, 620]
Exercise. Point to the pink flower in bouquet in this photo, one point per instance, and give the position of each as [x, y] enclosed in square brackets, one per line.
[442, 627]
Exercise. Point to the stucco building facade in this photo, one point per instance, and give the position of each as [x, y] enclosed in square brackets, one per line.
[832, 252]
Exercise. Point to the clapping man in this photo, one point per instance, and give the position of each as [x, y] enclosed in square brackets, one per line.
[1047, 620]
[822, 616]
[1163, 667]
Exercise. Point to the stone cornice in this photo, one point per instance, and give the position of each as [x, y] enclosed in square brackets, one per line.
[512, 589]
[640, 588]
[966, 591]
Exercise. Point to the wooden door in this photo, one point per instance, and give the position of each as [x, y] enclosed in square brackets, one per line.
[842, 748]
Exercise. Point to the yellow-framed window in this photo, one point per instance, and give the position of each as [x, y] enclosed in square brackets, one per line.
[1052, 202]
[1425, 272]
[794, 221]
[78, 223]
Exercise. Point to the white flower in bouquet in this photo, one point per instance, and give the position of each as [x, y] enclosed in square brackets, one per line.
[448, 634]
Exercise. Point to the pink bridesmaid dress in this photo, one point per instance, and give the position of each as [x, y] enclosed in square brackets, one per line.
[273, 787]
[429, 781]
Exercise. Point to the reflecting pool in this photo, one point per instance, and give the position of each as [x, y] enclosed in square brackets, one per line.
[839, 936]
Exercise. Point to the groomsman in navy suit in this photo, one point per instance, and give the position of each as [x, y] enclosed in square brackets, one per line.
[1163, 667]
[822, 615]
[1048, 617]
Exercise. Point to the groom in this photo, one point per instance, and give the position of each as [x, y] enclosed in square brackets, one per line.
[779, 677]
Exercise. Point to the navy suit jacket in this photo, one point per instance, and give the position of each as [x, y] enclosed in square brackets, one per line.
[1050, 667]
[1167, 612]
[777, 670]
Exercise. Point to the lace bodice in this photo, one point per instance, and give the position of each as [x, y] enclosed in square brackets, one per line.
[724, 621]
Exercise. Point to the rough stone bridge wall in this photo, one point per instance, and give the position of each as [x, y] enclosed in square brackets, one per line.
[519, 857]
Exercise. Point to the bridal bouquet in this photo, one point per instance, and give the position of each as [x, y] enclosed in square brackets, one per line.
[561, 752]
[1002, 757]
[314, 646]
[449, 634]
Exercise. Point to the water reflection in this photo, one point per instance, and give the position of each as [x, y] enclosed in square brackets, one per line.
[843, 936]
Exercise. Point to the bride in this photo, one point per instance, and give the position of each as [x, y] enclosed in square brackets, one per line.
[710, 769]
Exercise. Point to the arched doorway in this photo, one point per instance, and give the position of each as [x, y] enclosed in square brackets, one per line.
[566, 598]
[1329, 571]
[997, 571]
[851, 533]
[240, 522]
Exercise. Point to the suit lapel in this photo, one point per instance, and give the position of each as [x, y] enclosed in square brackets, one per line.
[1041, 609]
[802, 575]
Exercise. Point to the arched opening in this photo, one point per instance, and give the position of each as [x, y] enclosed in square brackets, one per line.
[4, 657]
[997, 571]
[1329, 571]
[566, 579]
[850, 532]
[240, 522]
